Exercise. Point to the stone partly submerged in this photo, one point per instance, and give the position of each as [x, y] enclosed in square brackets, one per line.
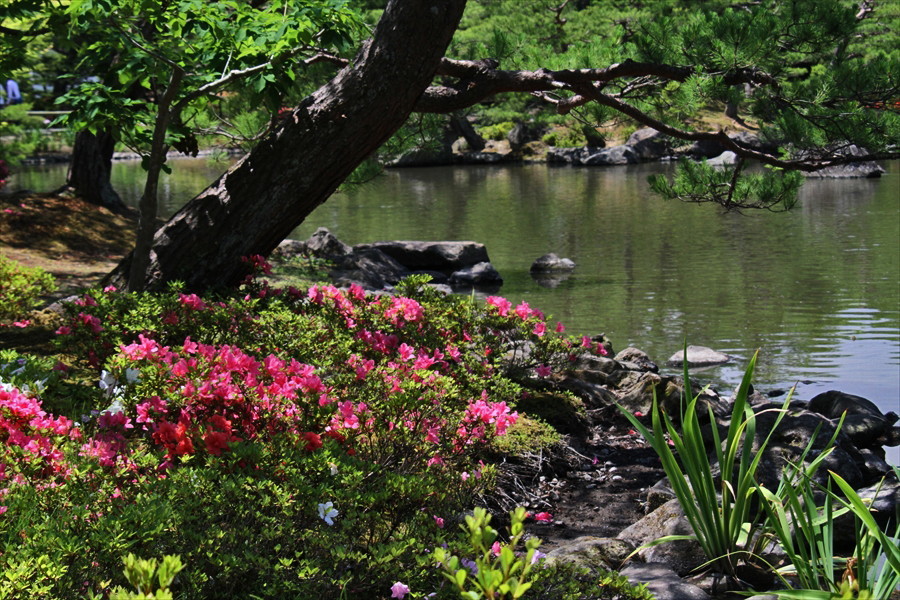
[698, 356]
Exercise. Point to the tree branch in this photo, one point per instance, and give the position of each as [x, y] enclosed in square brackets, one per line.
[478, 80]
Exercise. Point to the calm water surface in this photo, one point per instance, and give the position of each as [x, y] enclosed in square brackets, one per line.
[816, 291]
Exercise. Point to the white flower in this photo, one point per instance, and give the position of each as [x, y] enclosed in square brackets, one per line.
[107, 382]
[327, 512]
[132, 375]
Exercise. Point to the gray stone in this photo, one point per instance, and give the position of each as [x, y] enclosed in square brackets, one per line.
[681, 556]
[885, 498]
[445, 257]
[662, 582]
[566, 155]
[550, 262]
[660, 493]
[594, 553]
[868, 169]
[864, 423]
[423, 157]
[593, 363]
[649, 144]
[478, 275]
[617, 155]
[727, 158]
[371, 269]
[323, 244]
[521, 134]
[753, 142]
[481, 158]
[638, 358]
[706, 149]
[698, 356]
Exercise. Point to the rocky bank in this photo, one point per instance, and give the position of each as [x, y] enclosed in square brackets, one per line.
[604, 485]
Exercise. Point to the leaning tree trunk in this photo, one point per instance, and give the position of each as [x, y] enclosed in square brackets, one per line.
[89, 171]
[256, 203]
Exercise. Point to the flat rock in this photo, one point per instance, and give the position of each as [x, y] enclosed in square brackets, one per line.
[698, 356]
[438, 256]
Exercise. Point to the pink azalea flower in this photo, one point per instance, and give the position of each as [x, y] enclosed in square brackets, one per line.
[543, 371]
[502, 304]
[560, 328]
[523, 311]
[496, 548]
[540, 329]
[399, 590]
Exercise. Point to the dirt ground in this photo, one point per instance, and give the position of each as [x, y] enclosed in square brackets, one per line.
[595, 488]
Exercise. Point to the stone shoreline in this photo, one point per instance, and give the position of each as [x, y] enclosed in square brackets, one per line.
[605, 472]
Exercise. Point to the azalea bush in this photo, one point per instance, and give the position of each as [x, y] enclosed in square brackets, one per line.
[282, 443]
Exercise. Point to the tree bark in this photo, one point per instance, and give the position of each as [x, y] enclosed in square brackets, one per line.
[89, 171]
[256, 203]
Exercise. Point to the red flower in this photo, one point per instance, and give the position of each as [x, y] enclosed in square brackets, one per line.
[313, 440]
[216, 442]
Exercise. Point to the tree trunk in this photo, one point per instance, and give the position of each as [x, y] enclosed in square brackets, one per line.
[149, 205]
[90, 169]
[256, 203]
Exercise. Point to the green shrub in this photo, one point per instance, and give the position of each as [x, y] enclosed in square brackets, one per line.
[20, 288]
[496, 132]
[282, 443]
[564, 137]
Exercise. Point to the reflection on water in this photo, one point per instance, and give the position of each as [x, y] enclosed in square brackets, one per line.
[817, 290]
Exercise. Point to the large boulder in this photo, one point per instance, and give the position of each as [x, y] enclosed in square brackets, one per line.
[371, 269]
[446, 257]
[868, 169]
[681, 556]
[480, 275]
[649, 144]
[523, 133]
[864, 423]
[597, 554]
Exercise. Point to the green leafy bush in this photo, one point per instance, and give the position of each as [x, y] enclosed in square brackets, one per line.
[283, 443]
[496, 132]
[20, 288]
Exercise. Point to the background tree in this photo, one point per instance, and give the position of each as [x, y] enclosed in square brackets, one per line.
[661, 75]
[180, 55]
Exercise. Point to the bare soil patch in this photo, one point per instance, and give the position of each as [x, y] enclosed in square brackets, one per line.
[76, 241]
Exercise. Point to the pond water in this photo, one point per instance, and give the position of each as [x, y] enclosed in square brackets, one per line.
[816, 290]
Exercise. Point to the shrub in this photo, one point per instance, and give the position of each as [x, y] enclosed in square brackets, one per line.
[496, 132]
[20, 288]
[282, 443]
